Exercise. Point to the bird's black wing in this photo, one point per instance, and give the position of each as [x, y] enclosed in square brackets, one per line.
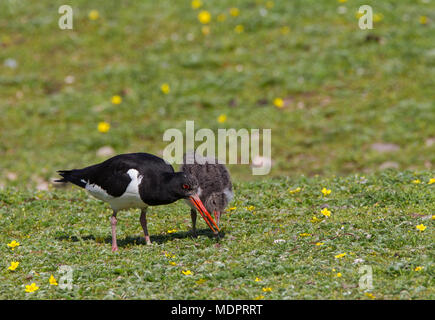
[111, 175]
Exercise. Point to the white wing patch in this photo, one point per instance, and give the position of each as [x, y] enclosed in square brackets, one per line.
[129, 199]
[98, 192]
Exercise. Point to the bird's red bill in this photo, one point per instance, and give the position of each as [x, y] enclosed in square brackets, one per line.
[217, 216]
[204, 213]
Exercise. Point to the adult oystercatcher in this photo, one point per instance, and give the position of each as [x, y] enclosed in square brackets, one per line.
[137, 180]
[215, 187]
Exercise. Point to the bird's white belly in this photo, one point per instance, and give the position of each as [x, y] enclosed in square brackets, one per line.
[129, 199]
[126, 201]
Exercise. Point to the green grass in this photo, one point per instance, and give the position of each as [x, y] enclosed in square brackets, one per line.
[345, 89]
[373, 218]
[343, 92]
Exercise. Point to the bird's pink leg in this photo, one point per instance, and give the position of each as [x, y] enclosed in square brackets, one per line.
[113, 222]
[143, 222]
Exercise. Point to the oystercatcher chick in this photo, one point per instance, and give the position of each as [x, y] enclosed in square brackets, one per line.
[215, 187]
[137, 180]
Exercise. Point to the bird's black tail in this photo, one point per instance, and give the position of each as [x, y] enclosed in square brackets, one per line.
[71, 176]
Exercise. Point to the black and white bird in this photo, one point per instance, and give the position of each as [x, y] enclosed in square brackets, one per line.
[137, 180]
[215, 187]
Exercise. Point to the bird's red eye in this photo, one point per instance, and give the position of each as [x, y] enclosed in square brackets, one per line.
[185, 186]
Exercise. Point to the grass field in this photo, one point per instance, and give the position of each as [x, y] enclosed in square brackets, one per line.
[342, 103]
[344, 89]
[372, 220]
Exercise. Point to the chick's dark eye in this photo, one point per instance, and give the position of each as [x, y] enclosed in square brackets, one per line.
[185, 186]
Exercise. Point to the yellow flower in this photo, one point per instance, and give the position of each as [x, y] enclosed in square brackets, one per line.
[418, 268]
[431, 181]
[14, 265]
[172, 263]
[234, 12]
[165, 88]
[326, 191]
[326, 212]
[285, 30]
[52, 280]
[32, 288]
[204, 17]
[259, 297]
[368, 294]
[338, 275]
[305, 234]
[339, 256]
[221, 17]
[416, 181]
[232, 208]
[169, 255]
[187, 272]
[94, 15]
[319, 243]
[423, 19]
[269, 4]
[378, 17]
[13, 244]
[421, 227]
[116, 99]
[200, 281]
[196, 4]
[172, 231]
[205, 30]
[250, 208]
[298, 189]
[239, 28]
[267, 289]
[315, 219]
[222, 118]
[257, 279]
[278, 102]
[103, 127]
